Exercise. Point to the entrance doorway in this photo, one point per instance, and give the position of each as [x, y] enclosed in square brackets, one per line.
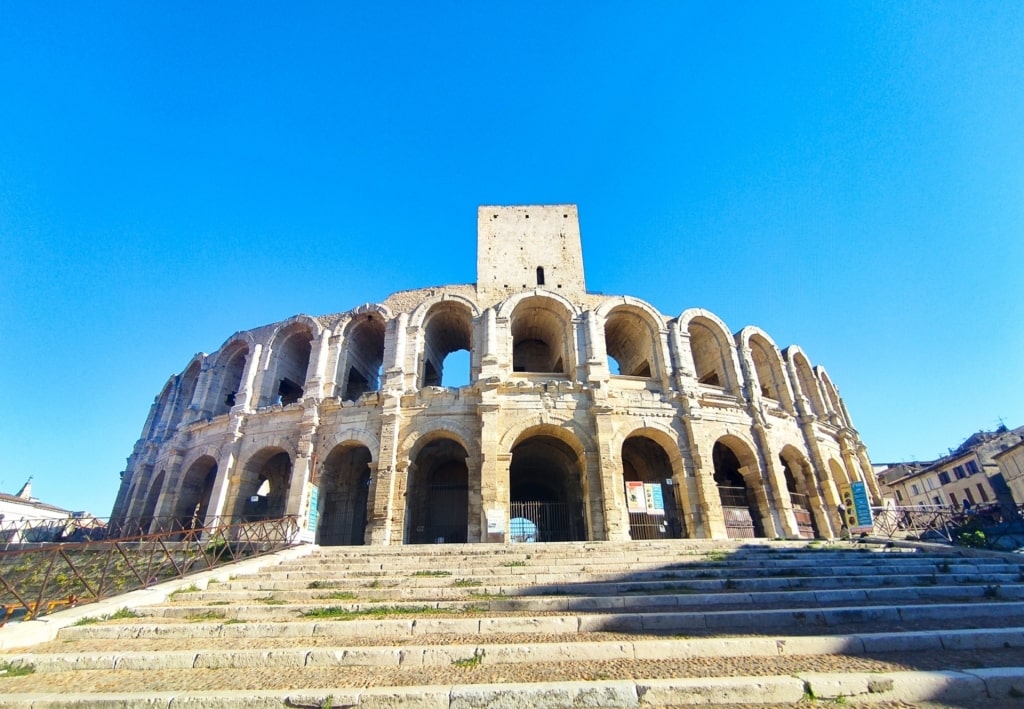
[546, 498]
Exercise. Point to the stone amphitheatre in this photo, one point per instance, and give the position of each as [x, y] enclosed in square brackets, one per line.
[617, 509]
[575, 402]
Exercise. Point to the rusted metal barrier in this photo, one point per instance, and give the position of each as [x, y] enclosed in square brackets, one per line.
[37, 579]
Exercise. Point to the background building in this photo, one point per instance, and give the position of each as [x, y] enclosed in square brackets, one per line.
[971, 473]
[586, 416]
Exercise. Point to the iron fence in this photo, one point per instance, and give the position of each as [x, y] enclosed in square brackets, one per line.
[535, 521]
[38, 578]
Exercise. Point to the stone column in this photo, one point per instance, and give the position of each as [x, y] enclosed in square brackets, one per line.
[494, 463]
[613, 496]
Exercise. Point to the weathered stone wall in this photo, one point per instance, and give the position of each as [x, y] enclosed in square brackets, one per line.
[738, 436]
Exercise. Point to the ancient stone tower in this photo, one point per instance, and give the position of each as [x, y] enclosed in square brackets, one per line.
[585, 416]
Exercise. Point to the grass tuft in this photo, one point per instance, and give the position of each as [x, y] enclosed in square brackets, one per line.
[16, 669]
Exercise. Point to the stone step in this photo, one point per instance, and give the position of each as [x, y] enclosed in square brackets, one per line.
[276, 605]
[417, 621]
[964, 687]
[463, 587]
[517, 653]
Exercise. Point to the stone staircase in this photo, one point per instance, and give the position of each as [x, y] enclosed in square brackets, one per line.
[639, 624]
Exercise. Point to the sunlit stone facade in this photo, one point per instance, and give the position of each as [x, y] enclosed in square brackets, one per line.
[575, 402]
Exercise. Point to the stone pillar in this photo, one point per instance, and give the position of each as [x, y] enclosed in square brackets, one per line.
[381, 531]
[494, 464]
[314, 384]
[220, 508]
[612, 494]
[706, 491]
[762, 495]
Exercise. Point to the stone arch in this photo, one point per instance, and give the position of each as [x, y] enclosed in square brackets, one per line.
[542, 329]
[564, 428]
[192, 501]
[421, 433]
[832, 400]
[227, 374]
[361, 361]
[647, 460]
[147, 516]
[348, 435]
[547, 486]
[632, 335]
[261, 490]
[343, 483]
[769, 375]
[437, 499]
[838, 473]
[802, 487]
[160, 412]
[185, 390]
[803, 380]
[737, 475]
[711, 349]
[285, 377]
[447, 327]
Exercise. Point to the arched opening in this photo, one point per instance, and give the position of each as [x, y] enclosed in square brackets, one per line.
[364, 356]
[800, 490]
[768, 368]
[839, 474]
[630, 344]
[545, 495]
[437, 503]
[186, 390]
[808, 385]
[263, 488]
[193, 499]
[540, 337]
[286, 376]
[832, 396]
[447, 342]
[650, 494]
[739, 500]
[148, 514]
[230, 371]
[343, 494]
[710, 354]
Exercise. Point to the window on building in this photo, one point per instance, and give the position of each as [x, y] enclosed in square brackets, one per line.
[967, 493]
[936, 500]
[944, 477]
[952, 498]
[972, 467]
[540, 275]
[899, 496]
[930, 484]
[982, 493]
[959, 472]
[914, 489]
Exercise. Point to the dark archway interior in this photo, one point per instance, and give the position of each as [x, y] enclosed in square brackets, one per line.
[645, 461]
[263, 492]
[196, 490]
[344, 496]
[544, 487]
[438, 498]
[739, 505]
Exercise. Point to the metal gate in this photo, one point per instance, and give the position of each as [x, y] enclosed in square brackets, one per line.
[804, 519]
[447, 516]
[535, 521]
[739, 523]
[643, 525]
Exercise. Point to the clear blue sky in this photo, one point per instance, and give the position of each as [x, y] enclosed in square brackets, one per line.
[849, 176]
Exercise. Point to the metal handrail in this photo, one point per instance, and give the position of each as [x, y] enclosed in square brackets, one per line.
[37, 579]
